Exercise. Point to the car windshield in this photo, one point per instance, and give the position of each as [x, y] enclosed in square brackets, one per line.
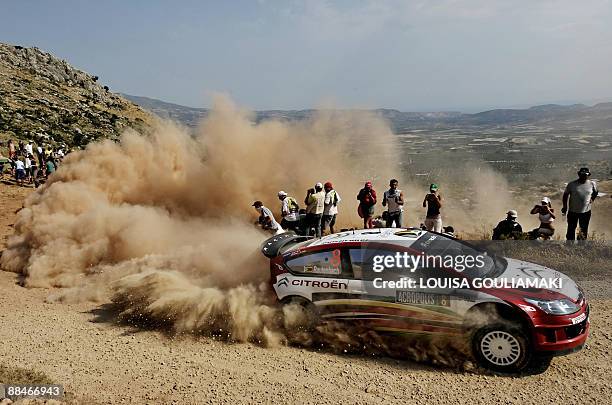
[481, 264]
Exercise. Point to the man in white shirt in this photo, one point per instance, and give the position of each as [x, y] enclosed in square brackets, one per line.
[581, 193]
[29, 148]
[266, 219]
[393, 199]
[19, 171]
[330, 210]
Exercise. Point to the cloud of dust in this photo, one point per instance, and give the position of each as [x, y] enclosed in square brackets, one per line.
[162, 224]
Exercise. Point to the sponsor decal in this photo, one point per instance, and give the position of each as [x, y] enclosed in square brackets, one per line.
[527, 308]
[283, 282]
[578, 319]
[313, 268]
[335, 284]
[420, 298]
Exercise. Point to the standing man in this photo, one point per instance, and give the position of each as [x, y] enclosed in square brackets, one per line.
[332, 198]
[289, 212]
[367, 201]
[315, 205]
[433, 202]
[20, 173]
[581, 194]
[266, 219]
[394, 199]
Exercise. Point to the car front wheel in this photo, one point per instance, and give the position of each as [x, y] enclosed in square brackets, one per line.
[501, 347]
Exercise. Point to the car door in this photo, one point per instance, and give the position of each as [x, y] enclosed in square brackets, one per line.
[325, 277]
[398, 299]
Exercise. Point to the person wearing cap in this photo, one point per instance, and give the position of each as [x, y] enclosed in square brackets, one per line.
[289, 212]
[367, 201]
[315, 206]
[508, 228]
[266, 218]
[433, 202]
[581, 193]
[394, 200]
[330, 210]
[546, 215]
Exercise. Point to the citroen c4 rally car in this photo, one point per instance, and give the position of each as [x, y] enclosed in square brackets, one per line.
[514, 314]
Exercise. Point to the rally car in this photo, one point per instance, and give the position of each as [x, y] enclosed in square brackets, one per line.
[515, 315]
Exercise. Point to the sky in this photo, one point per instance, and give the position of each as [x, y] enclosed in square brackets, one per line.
[421, 55]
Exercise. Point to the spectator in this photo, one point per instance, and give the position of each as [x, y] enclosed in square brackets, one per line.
[289, 212]
[394, 200]
[50, 167]
[19, 171]
[433, 202]
[28, 166]
[41, 156]
[367, 201]
[581, 193]
[330, 211]
[509, 228]
[546, 215]
[11, 150]
[29, 148]
[34, 171]
[266, 218]
[315, 205]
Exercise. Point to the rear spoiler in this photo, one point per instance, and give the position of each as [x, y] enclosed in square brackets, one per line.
[272, 246]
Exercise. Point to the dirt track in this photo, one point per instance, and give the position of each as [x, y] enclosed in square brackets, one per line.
[101, 362]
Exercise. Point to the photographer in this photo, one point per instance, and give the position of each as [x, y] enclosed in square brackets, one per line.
[315, 205]
[547, 216]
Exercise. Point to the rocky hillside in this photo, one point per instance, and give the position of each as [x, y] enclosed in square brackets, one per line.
[45, 99]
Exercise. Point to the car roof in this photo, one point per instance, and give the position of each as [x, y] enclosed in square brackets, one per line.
[403, 236]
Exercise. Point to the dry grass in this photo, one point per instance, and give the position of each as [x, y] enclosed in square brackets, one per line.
[18, 375]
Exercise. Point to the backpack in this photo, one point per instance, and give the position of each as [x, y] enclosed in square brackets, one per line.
[292, 205]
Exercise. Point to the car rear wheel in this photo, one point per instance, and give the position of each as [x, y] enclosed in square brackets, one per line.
[501, 347]
[304, 314]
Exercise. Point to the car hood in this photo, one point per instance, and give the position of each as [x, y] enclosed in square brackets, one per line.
[518, 269]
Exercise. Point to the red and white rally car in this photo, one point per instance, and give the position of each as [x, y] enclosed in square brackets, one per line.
[515, 314]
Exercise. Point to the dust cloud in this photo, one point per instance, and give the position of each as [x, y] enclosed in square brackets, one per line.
[162, 224]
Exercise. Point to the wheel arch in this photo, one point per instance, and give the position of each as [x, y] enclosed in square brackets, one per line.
[496, 311]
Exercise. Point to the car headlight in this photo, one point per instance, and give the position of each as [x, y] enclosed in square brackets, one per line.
[555, 307]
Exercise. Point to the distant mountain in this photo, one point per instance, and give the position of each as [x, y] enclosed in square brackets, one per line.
[595, 117]
[45, 98]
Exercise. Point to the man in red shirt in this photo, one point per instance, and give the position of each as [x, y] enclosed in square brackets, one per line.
[367, 201]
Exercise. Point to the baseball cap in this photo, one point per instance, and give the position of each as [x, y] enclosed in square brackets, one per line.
[328, 185]
[257, 204]
[368, 184]
[318, 185]
[584, 170]
[433, 186]
[282, 194]
[545, 200]
[512, 213]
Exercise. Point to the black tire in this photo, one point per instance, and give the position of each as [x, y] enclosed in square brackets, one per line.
[502, 347]
[309, 317]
